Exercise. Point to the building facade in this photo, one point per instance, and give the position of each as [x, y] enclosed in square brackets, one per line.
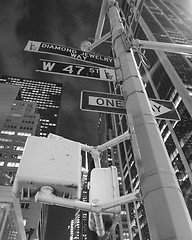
[22, 121]
[166, 76]
[79, 227]
[35, 112]
[47, 95]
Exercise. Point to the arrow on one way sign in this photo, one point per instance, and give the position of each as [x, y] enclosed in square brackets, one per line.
[163, 109]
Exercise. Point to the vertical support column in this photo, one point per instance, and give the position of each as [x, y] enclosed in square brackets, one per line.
[167, 215]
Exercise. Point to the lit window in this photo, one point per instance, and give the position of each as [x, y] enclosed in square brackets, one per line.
[16, 115]
[23, 134]
[25, 205]
[1, 163]
[18, 148]
[4, 155]
[24, 222]
[5, 140]
[12, 164]
[8, 132]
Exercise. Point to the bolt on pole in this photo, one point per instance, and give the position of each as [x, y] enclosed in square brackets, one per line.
[166, 211]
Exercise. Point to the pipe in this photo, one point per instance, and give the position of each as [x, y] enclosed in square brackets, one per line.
[113, 141]
[101, 20]
[162, 46]
[96, 157]
[121, 200]
[100, 230]
[46, 196]
[99, 41]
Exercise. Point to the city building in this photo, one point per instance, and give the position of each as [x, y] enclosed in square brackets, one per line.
[8, 95]
[47, 95]
[34, 112]
[166, 76]
[79, 225]
[12, 226]
[22, 121]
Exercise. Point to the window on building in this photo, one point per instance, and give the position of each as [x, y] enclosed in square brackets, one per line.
[23, 134]
[25, 193]
[12, 164]
[25, 205]
[8, 132]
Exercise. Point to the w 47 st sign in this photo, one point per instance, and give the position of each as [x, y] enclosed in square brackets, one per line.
[76, 70]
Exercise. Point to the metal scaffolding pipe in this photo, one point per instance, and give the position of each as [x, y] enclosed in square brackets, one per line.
[101, 20]
[113, 142]
[99, 41]
[48, 197]
[121, 200]
[86, 148]
[98, 220]
[162, 46]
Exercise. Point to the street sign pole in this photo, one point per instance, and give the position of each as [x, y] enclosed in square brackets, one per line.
[166, 211]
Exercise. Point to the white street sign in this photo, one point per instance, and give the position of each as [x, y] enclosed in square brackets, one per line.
[102, 102]
[55, 49]
[112, 103]
[76, 70]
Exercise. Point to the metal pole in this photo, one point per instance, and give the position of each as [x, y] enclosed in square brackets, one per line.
[99, 41]
[100, 229]
[96, 157]
[162, 46]
[45, 195]
[135, 196]
[166, 211]
[101, 20]
[114, 141]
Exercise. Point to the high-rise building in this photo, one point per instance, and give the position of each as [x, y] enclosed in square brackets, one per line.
[47, 95]
[35, 112]
[7, 96]
[22, 121]
[166, 76]
[80, 221]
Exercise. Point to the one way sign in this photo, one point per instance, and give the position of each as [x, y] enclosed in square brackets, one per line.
[163, 109]
[112, 103]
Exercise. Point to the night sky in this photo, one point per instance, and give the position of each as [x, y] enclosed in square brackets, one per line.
[63, 22]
